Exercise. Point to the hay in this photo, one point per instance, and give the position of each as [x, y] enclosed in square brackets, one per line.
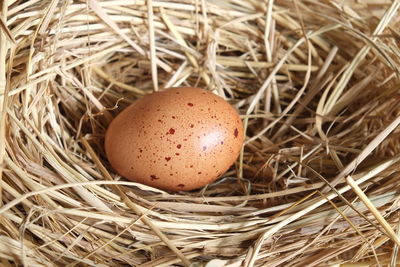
[317, 86]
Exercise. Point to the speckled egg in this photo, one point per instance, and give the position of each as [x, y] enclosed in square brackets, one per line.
[176, 139]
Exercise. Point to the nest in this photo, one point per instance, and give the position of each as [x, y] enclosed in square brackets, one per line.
[316, 84]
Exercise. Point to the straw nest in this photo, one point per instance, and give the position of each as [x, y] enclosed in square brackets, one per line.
[317, 86]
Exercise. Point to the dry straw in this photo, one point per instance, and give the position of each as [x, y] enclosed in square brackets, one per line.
[317, 85]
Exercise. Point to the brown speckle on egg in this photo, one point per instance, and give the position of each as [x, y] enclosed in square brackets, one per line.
[143, 141]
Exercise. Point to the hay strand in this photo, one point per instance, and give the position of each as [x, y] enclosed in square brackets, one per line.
[3, 88]
[373, 210]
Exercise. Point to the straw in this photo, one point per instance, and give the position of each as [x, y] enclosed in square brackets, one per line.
[316, 84]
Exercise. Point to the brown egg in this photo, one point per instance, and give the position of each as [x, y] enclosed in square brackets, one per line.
[177, 139]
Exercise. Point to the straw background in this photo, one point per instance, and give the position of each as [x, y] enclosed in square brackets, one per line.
[316, 83]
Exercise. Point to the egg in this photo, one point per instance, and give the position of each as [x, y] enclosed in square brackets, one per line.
[177, 139]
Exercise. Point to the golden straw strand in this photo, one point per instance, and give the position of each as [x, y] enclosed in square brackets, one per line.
[373, 209]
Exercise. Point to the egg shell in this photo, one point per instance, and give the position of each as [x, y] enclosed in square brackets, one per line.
[177, 139]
